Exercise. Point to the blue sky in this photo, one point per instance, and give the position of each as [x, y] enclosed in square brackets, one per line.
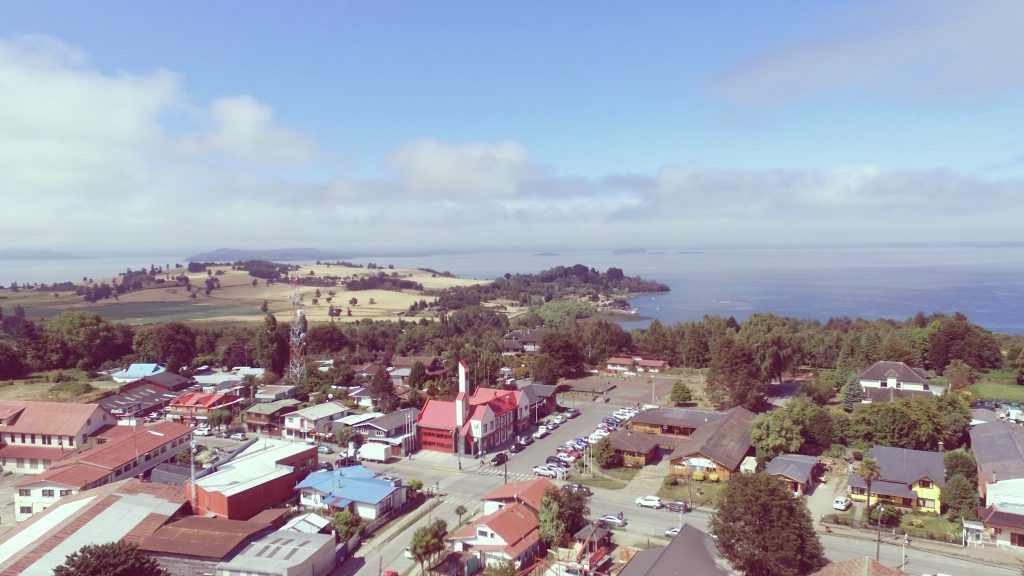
[667, 123]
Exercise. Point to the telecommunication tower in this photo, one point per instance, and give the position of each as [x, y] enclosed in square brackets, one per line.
[297, 337]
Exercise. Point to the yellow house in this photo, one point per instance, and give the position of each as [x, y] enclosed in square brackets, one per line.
[910, 479]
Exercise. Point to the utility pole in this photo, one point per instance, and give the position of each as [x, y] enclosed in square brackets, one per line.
[195, 496]
[878, 537]
[506, 469]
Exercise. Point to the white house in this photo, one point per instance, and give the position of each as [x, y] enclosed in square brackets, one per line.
[884, 381]
[317, 419]
[33, 435]
[511, 533]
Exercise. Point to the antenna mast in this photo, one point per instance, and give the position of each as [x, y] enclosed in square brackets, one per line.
[297, 336]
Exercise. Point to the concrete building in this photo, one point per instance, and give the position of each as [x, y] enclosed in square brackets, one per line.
[128, 510]
[263, 473]
[33, 435]
[131, 453]
[283, 553]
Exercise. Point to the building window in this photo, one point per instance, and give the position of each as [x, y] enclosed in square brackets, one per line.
[925, 483]
[33, 463]
[21, 462]
[25, 510]
[47, 493]
[64, 493]
[24, 492]
[47, 439]
[925, 503]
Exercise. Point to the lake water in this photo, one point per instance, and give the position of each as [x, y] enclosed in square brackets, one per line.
[985, 283]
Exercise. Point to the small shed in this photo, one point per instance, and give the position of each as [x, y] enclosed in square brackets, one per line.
[794, 470]
[749, 465]
[636, 449]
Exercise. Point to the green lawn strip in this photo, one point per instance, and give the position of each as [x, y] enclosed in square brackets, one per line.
[624, 474]
[704, 493]
[597, 482]
[999, 392]
[931, 526]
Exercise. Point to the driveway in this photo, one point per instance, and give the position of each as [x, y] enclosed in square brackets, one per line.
[819, 501]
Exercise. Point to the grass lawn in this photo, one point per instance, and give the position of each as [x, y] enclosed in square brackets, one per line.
[703, 492]
[931, 526]
[597, 482]
[624, 474]
[1000, 385]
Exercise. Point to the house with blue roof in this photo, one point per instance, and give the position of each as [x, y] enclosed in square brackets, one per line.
[137, 372]
[352, 488]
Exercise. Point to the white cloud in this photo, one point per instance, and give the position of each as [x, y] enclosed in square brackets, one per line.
[474, 169]
[90, 160]
[918, 51]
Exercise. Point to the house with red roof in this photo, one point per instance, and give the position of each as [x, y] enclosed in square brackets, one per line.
[528, 493]
[473, 423]
[33, 435]
[131, 452]
[511, 533]
[195, 407]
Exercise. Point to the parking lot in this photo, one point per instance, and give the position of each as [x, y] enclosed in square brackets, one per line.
[580, 427]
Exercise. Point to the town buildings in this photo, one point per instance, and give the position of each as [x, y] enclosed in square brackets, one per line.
[884, 381]
[132, 452]
[194, 408]
[137, 372]
[508, 534]
[268, 417]
[397, 430]
[352, 488]
[315, 421]
[999, 453]
[471, 424]
[283, 553]
[910, 479]
[796, 471]
[622, 364]
[259, 475]
[528, 493]
[691, 552]
[33, 435]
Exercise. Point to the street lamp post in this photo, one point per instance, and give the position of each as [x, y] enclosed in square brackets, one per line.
[878, 537]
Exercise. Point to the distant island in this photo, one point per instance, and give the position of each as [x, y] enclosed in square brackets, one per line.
[546, 254]
[34, 254]
[624, 251]
[286, 254]
[301, 254]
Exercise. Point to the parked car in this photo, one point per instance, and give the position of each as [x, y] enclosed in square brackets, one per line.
[649, 502]
[516, 448]
[555, 461]
[567, 458]
[325, 466]
[672, 532]
[541, 432]
[594, 439]
[552, 425]
[324, 449]
[842, 503]
[408, 552]
[239, 436]
[526, 440]
[549, 471]
[499, 459]
[600, 433]
[223, 434]
[202, 432]
[677, 507]
[572, 413]
[613, 520]
[559, 419]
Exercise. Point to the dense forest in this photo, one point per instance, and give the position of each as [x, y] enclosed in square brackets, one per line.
[552, 284]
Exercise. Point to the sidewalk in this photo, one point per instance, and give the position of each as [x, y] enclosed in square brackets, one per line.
[988, 555]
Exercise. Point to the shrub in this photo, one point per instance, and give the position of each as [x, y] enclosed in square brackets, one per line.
[671, 480]
[858, 455]
[835, 451]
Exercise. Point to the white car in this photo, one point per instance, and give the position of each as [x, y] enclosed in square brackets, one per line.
[545, 471]
[649, 502]
[842, 503]
[541, 432]
[594, 438]
[567, 458]
[558, 419]
[601, 433]
[672, 532]
[552, 425]
[202, 432]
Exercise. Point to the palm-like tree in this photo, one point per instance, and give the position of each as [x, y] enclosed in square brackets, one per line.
[870, 471]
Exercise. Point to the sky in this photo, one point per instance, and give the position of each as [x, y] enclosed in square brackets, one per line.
[385, 125]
